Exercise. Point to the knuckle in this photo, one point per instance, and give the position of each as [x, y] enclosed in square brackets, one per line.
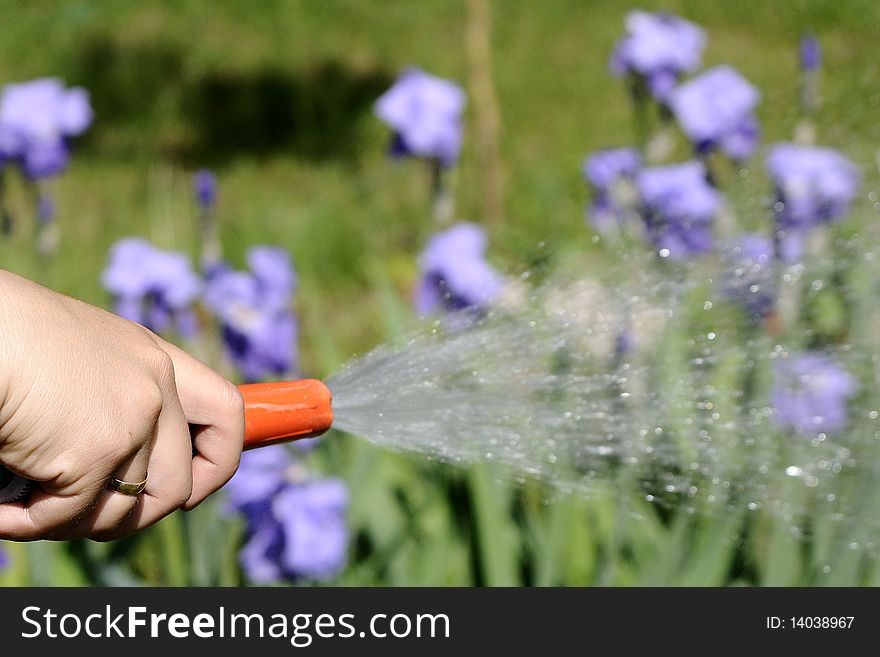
[227, 470]
[149, 400]
[219, 474]
[180, 494]
[233, 401]
[161, 364]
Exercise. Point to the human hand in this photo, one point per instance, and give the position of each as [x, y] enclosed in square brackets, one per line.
[86, 396]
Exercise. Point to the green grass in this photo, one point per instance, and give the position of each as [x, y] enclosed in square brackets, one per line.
[324, 189]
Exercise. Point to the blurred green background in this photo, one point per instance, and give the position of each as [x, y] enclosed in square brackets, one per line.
[276, 97]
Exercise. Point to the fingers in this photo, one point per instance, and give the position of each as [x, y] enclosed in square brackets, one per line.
[45, 515]
[169, 480]
[52, 513]
[215, 406]
[113, 508]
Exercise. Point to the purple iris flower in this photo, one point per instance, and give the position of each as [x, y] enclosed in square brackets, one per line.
[455, 274]
[36, 120]
[678, 206]
[604, 171]
[658, 47]
[258, 325]
[153, 287]
[811, 393]
[425, 113]
[315, 534]
[813, 186]
[274, 271]
[811, 53]
[716, 110]
[263, 472]
[295, 527]
[205, 187]
[749, 274]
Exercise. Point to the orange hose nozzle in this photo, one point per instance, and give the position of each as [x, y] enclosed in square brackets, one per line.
[282, 411]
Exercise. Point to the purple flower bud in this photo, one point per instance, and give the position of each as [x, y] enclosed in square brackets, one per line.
[45, 209]
[715, 109]
[811, 53]
[661, 84]
[205, 186]
[151, 286]
[811, 394]
[604, 168]
[679, 206]
[455, 274]
[604, 171]
[658, 47]
[425, 113]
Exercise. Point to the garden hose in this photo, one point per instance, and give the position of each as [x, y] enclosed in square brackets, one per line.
[276, 412]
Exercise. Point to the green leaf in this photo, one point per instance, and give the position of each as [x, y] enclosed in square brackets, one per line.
[498, 540]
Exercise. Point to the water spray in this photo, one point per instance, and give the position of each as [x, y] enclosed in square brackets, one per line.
[275, 412]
